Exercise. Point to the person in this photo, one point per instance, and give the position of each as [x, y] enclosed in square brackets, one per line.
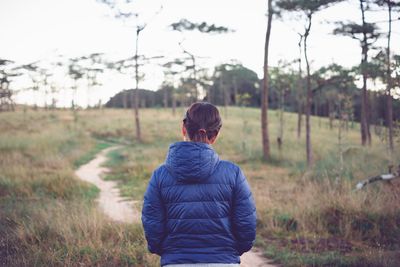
[198, 210]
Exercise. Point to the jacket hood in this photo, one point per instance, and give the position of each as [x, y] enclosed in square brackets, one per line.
[191, 161]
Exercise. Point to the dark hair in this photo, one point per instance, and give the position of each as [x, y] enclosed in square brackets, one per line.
[202, 121]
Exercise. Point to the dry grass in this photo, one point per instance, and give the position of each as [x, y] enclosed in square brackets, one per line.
[317, 208]
[306, 217]
[47, 216]
[57, 233]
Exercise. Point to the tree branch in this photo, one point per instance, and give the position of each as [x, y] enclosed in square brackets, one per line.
[382, 177]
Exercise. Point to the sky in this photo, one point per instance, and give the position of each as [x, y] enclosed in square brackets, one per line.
[34, 30]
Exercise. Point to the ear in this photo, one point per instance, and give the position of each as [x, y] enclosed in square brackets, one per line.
[184, 132]
[212, 140]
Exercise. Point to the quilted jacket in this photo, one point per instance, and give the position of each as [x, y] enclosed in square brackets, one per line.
[198, 208]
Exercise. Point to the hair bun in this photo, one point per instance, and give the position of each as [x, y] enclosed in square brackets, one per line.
[202, 121]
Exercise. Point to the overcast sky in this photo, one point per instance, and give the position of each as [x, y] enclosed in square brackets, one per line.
[41, 29]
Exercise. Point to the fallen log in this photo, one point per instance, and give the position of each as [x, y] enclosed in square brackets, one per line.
[382, 177]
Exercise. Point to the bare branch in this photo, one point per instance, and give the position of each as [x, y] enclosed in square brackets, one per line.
[383, 177]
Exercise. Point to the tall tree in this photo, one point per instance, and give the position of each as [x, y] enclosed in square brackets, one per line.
[300, 90]
[378, 69]
[308, 8]
[221, 73]
[389, 100]
[76, 73]
[336, 87]
[265, 89]
[185, 25]
[45, 75]
[231, 81]
[282, 81]
[33, 70]
[124, 66]
[183, 68]
[123, 10]
[172, 69]
[139, 29]
[6, 73]
[366, 33]
[93, 65]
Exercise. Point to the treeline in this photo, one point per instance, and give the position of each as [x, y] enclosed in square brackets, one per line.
[334, 90]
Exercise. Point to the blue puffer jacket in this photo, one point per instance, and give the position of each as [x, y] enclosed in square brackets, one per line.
[197, 208]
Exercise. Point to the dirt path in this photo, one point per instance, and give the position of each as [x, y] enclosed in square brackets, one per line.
[122, 210]
[109, 200]
[254, 258]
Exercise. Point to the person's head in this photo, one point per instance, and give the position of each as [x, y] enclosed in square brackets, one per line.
[202, 123]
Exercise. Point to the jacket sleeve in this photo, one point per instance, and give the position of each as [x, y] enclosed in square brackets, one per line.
[153, 217]
[244, 214]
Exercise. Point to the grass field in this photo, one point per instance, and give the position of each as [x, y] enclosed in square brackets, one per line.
[306, 217]
[48, 216]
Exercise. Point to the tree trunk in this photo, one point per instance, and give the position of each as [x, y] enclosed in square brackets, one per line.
[137, 99]
[209, 95]
[369, 118]
[75, 88]
[309, 96]
[321, 111]
[363, 112]
[330, 112]
[192, 57]
[316, 106]
[195, 79]
[389, 100]
[264, 99]
[224, 92]
[340, 143]
[364, 60]
[299, 93]
[88, 89]
[235, 90]
[281, 113]
[165, 98]
[299, 119]
[124, 99]
[173, 102]
[46, 106]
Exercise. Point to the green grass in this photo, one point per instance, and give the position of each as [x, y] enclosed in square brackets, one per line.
[91, 154]
[132, 176]
[289, 258]
[48, 216]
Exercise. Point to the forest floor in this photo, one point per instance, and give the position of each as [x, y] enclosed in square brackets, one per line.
[123, 210]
